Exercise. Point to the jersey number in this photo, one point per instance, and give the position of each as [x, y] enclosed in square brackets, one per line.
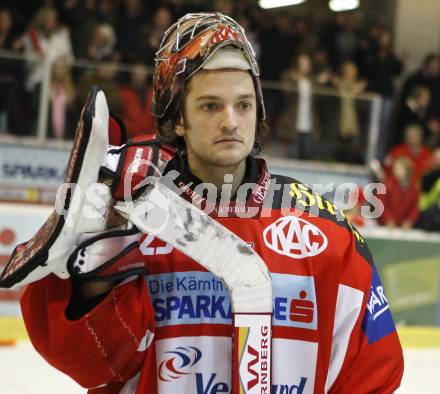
[148, 250]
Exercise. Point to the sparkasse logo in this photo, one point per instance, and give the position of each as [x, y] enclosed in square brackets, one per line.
[294, 237]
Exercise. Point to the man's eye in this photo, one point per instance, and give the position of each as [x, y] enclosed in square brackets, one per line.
[210, 107]
[245, 106]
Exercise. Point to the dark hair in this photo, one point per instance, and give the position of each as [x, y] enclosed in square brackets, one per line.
[429, 58]
[418, 91]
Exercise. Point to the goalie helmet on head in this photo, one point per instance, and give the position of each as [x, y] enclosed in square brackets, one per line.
[194, 42]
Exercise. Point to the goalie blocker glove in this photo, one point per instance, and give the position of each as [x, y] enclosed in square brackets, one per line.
[49, 248]
[99, 152]
[115, 254]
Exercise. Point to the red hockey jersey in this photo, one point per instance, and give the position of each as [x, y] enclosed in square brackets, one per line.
[170, 332]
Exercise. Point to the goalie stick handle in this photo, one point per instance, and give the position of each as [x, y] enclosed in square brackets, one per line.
[162, 212]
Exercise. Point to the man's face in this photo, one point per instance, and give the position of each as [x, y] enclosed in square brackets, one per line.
[139, 75]
[413, 136]
[433, 67]
[219, 118]
[304, 64]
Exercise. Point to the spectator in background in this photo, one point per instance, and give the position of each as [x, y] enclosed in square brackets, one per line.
[368, 44]
[415, 111]
[297, 121]
[8, 41]
[429, 219]
[136, 99]
[181, 7]
[45, 39]
[381, 67]
[316, 25]
[105, 77]
[433, 128]
[322, 68]
[349, 87]
[82, 17]
[62, 97]
[306, 41]
[102, 43]
[413, 149]
[327, 103]
[252, 35]
[428, 75]
[260, 19]
[106, 10]
[161, 22]
[278, 45]
[10, 69]
[226, 7]
[401, 200]
[161, 17]
[431, 184]
[133, 24]
[346, 38]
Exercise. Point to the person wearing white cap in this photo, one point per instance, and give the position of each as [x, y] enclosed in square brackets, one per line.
[150, 319]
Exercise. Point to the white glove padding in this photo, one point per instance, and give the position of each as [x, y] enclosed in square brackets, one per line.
[84, 207]
[108, 256]
[49, 249]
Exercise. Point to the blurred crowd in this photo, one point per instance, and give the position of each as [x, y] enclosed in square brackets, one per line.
[320, 72]
[411, 175]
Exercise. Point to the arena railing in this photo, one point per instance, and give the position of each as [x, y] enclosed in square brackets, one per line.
[31, 133]
[32, 85]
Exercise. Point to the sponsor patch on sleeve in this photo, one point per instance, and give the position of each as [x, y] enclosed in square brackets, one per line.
[378, 321]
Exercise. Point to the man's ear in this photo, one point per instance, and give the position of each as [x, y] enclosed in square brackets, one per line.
[179, 127]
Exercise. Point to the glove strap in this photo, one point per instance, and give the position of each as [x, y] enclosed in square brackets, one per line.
[108, 256]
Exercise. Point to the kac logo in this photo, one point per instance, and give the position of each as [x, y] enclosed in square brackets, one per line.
[179, 364]
[295, 237]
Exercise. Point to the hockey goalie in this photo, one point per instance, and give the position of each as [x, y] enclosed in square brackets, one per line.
[180, 264]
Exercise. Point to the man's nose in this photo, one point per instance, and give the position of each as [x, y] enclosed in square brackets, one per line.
[229, 119]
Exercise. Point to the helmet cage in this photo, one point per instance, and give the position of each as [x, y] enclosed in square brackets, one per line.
[185, 48]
